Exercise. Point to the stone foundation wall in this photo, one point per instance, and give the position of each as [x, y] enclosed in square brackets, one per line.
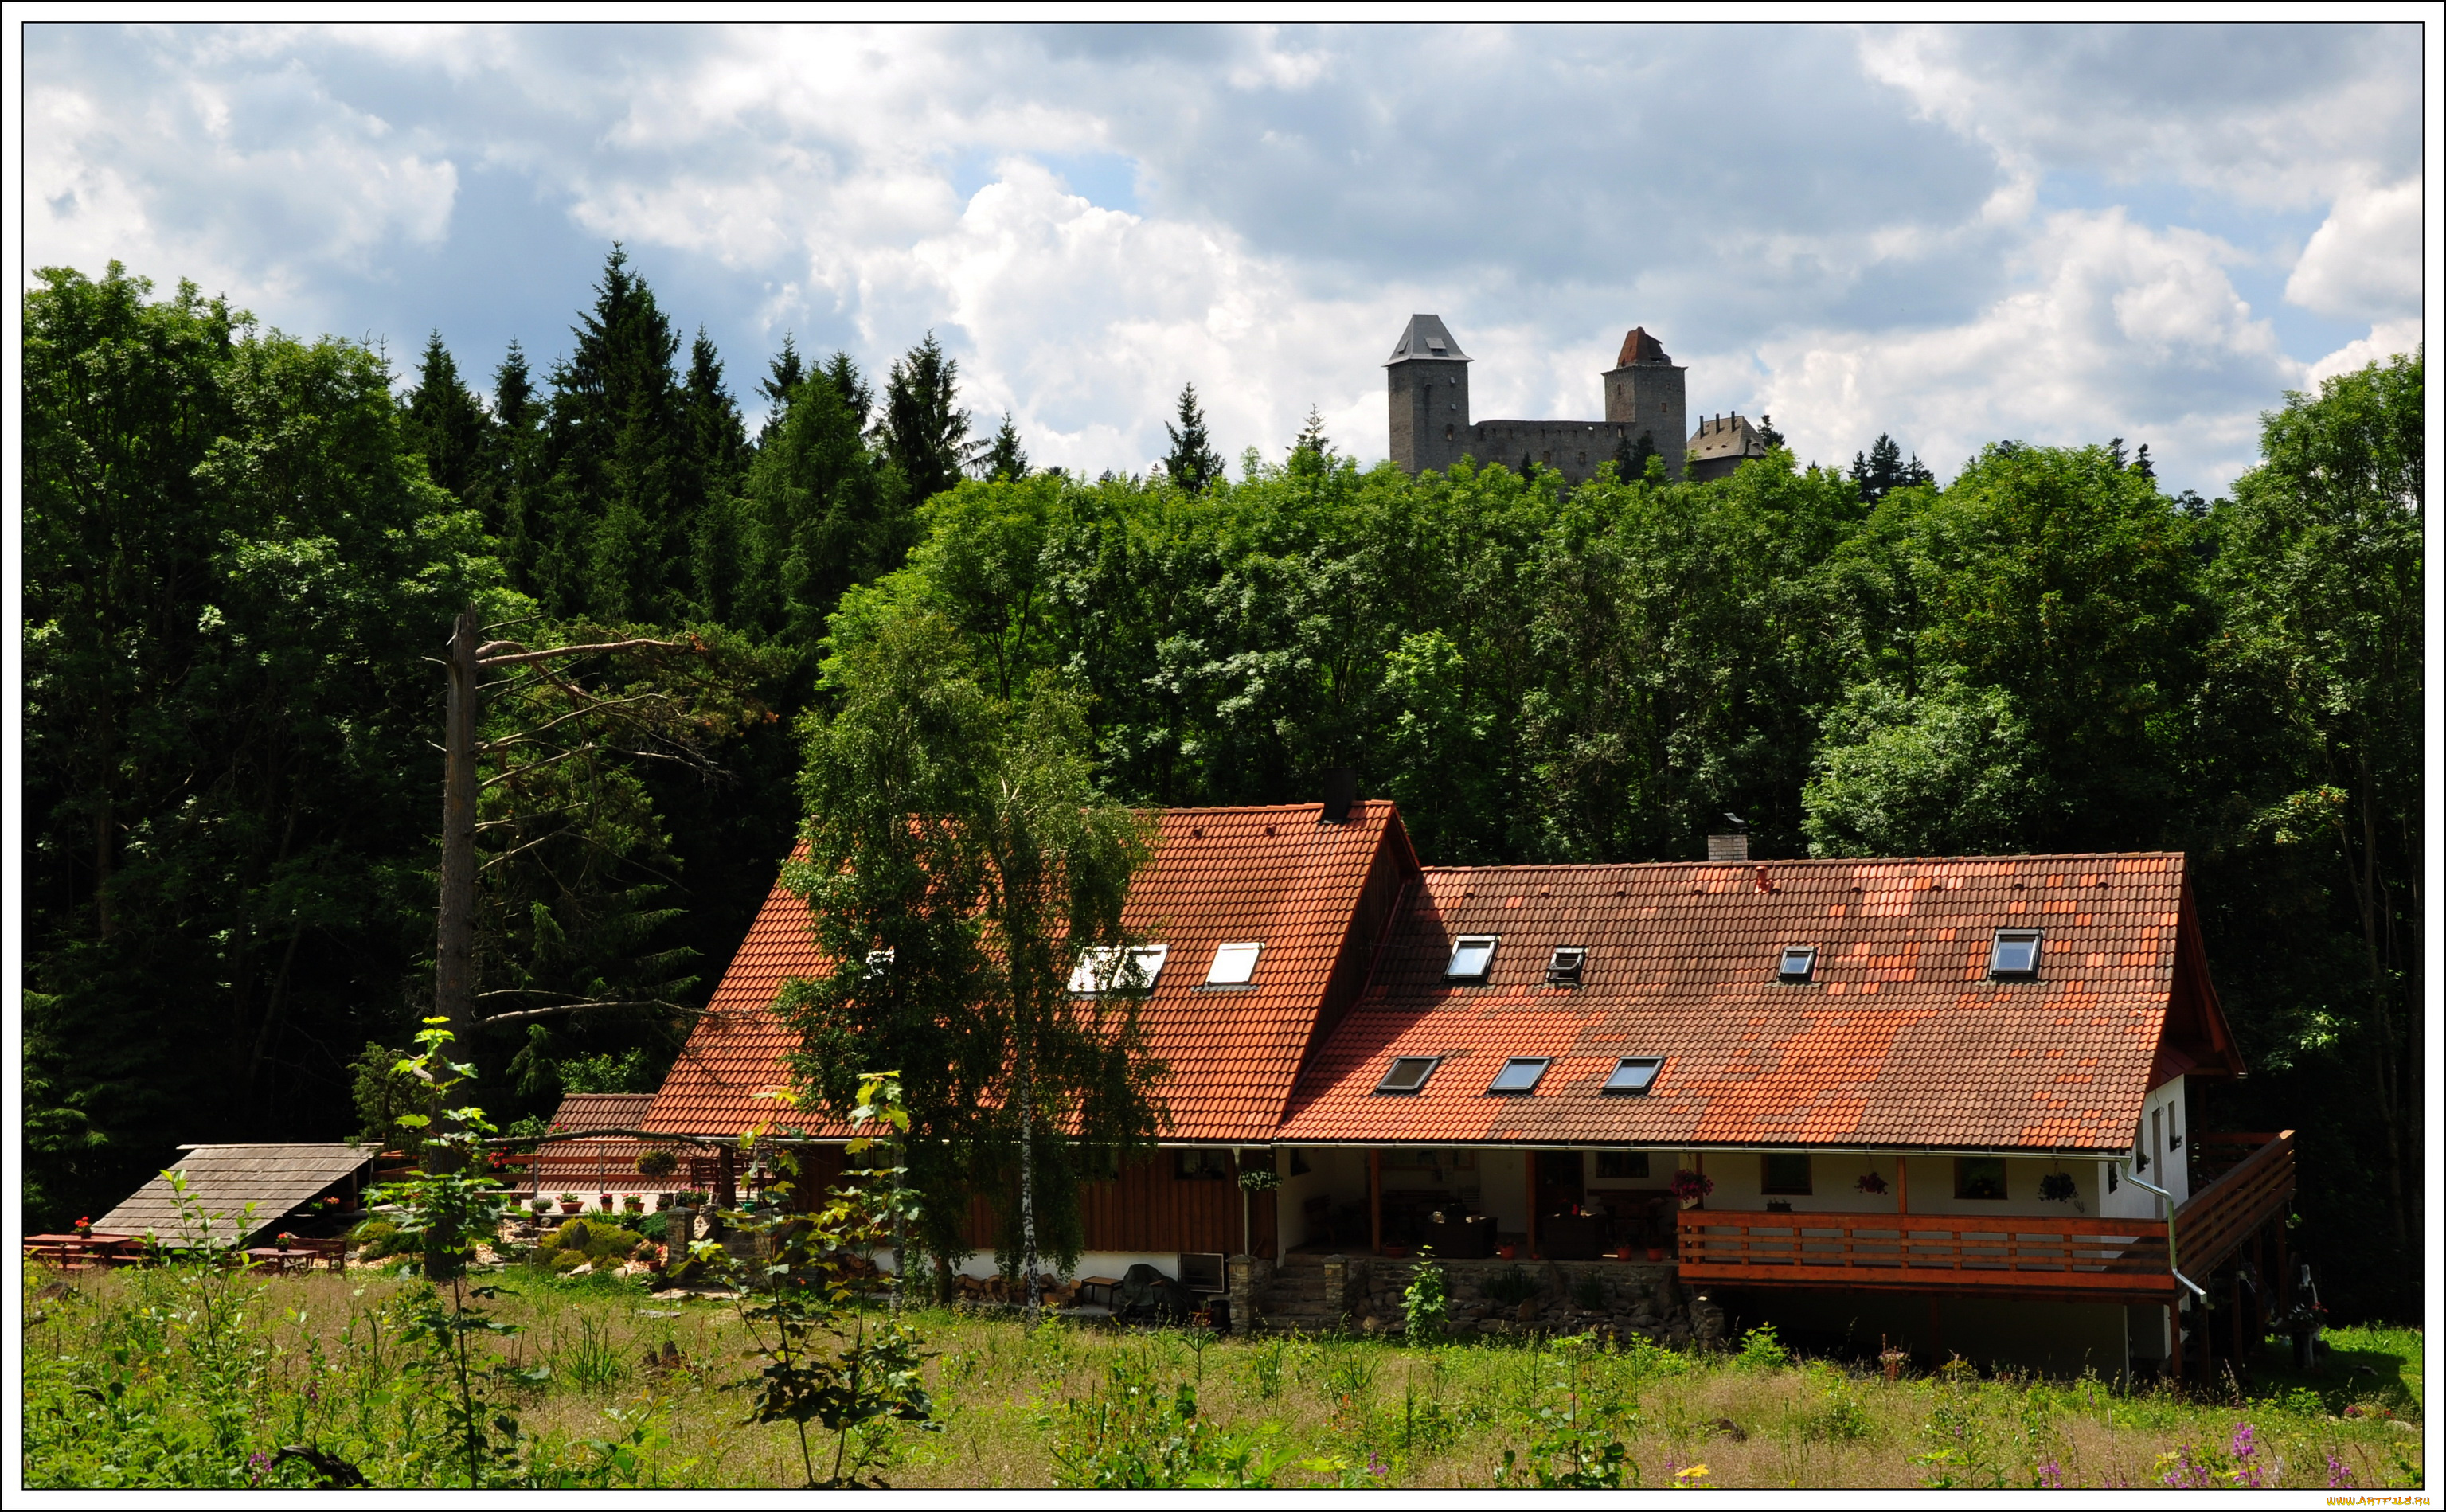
[1607, 1297]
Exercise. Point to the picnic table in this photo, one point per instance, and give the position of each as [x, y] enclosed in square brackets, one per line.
[78, 1252]
[1090, 1285]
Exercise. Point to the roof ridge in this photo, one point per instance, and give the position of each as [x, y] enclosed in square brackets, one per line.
[1822, 860]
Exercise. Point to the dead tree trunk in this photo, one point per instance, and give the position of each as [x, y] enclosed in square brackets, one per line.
[454, 945]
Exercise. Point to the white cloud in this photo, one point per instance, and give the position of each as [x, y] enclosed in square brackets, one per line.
[2365, 262]
[2268, 115]
[1857, 231]
[2386, 339]
[2116, 329]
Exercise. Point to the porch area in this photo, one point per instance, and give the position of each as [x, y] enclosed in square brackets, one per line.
[2248, 1180]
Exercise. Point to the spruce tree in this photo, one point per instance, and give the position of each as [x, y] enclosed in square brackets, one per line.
[1193, 465]
[508, 470]
[444, 421]
[1634, 461]
[711, 475]
[1004, 460]
[786, 374]
[851, 386]
[615, 545]
[1768, 436]
[924, 430]
[1877, 473]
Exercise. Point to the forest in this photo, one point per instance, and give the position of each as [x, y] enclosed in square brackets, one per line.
[244, 551]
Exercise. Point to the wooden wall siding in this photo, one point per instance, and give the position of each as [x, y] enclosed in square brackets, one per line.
[1150, 1211]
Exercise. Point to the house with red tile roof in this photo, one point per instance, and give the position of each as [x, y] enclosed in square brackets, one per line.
[1948, 1093]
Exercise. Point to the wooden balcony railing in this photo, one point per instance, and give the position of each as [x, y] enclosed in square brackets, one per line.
[2248, 1192]
[1916, 1252]
[2124, 1258]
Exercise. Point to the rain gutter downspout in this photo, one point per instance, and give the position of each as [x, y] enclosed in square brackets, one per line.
[2173, 1259]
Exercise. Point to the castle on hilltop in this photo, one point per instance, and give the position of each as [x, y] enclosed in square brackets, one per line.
[1426, 387]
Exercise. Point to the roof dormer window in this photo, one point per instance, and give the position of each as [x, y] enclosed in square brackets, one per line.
[1799, 963]
[1234, 964]
[1472, 955]
[1563, 967]
[2015, 955]
[1519, 1076]
[1408, 1073]
[1111, 969]
[1634, 1074]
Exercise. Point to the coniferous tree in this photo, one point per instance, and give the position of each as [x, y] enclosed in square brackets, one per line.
[924, 430]
[778, 385]
[1630, 457]
[617, 544]
[1193, 464]
[1004, 460]
[444, 421]
[712, 470]
[856, 395]
[1879, 472]
[510, 468]
[1768, 436]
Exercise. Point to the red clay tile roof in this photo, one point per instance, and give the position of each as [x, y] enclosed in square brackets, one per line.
[590, 1165]
[1638, 346]
[1900, 1040]
[1220, 875]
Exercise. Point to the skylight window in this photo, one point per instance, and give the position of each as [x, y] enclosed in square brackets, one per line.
[1234, 964]
[2016, 954]
[1519, 1076]
[1407, 1073]
[1799, 963]
[1109, 969]
[1472, 955]
[1563, 967]
[1634, 1074]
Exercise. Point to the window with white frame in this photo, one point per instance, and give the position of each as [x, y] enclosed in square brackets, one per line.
[1112, 968]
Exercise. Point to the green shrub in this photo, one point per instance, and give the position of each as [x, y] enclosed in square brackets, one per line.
[1762, 1350]
[580, 1241]
[378, 1238]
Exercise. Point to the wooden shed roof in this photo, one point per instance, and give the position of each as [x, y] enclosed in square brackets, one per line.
[224, 1178]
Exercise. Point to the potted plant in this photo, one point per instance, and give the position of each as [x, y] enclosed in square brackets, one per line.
[570, 1203]
[1690, 1188]
[1872, 1184]
[1656, 1254]
[633, 1203]
[85, 1228]
[605, 1201]
[657, 1163]
[540, 1206]
[1508, 1252]
[281, 1241]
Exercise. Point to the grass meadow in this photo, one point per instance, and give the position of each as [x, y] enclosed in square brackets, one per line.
[192, 1377]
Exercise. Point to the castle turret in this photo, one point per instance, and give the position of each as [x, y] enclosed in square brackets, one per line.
[1643, 393]
[1426, 391]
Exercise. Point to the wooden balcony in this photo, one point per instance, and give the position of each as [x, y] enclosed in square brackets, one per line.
[2066, 1258]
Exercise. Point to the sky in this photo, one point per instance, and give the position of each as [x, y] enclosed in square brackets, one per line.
[2054, 234]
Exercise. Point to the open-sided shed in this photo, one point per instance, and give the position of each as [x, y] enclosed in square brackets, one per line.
[223, 1180]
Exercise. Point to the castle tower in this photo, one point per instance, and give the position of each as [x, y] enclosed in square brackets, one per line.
[1426, 391]
[1644, 393]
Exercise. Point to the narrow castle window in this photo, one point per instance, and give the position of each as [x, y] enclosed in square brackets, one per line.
[1448, 433]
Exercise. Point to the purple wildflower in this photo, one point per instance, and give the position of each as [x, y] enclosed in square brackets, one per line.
[2051, 1477]
[256, 1464]
[1375, 1465]
[2187, 1475]
[2340, 1475]
[2245, 1445]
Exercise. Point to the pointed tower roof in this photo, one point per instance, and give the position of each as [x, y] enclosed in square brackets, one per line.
[1425, 337]
[1640, 348]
